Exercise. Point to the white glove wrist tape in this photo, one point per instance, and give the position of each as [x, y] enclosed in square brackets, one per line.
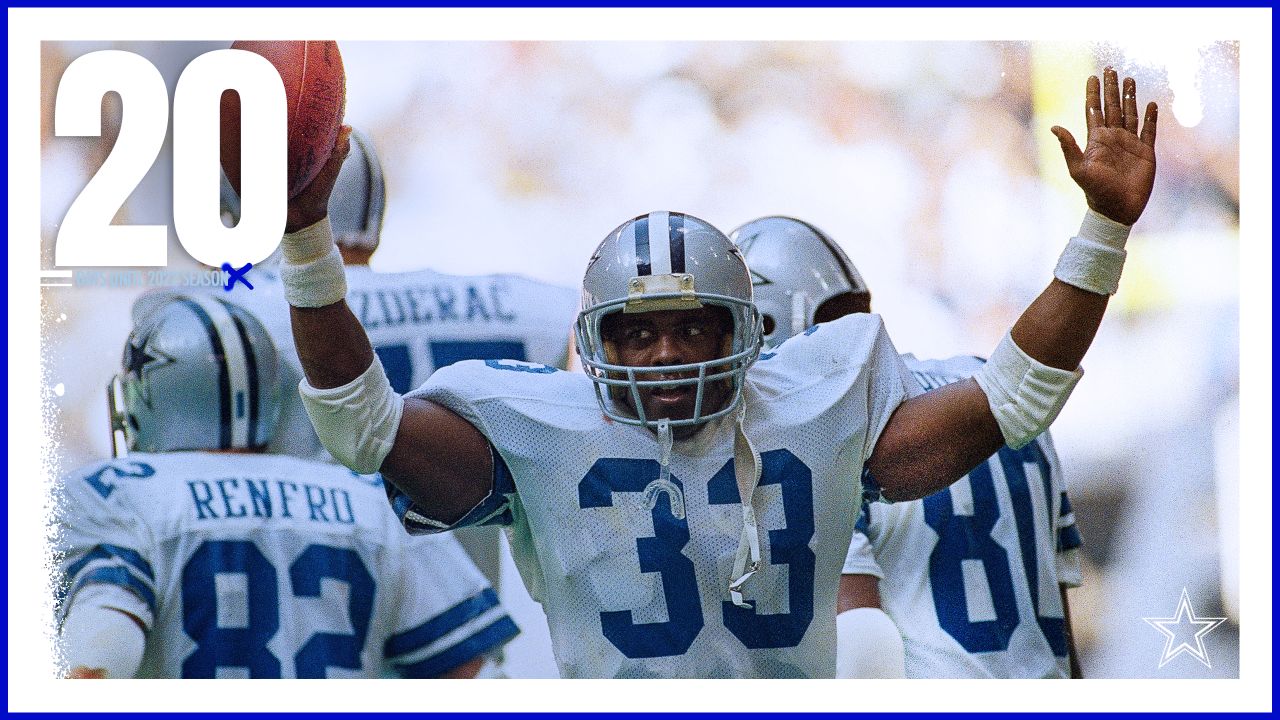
[356, 422]
[311, 269]
[868, 645]
[1025, 395]
[1093, 259]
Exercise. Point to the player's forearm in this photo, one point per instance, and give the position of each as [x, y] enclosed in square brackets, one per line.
[1058, 327]
[933, 440]
[1033, 370]
[331, 344]
[346, 392]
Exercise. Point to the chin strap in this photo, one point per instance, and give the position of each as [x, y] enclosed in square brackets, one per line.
[663, 484]
[746, 465]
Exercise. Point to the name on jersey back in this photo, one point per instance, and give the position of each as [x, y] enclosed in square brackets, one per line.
[425, 304]
[231, 497]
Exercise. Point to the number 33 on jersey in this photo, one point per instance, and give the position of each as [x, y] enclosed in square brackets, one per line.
[634, 570]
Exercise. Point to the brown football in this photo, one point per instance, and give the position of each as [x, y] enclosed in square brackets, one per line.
[315, 88]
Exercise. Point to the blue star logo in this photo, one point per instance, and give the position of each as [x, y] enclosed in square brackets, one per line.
[141, 359]
[1184, 632]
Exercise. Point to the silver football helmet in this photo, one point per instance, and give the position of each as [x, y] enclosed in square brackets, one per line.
[795, 268]
[359, 197]
[666, 261]
[199, 373]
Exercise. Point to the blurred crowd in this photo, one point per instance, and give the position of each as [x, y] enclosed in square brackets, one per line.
[931, 163]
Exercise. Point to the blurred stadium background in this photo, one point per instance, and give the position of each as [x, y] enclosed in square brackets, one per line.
[930, 162]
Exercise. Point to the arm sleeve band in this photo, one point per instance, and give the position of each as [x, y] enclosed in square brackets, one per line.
[356, 422]
[868, 645]
[1025, 395]
[99, 633]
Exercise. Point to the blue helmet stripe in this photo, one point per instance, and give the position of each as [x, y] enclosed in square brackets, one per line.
[224, 376]
[251, 370]
[641, 229]
[675, 233]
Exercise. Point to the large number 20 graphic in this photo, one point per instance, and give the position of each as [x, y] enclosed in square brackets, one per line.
[663, 553]
[246, 646]
[968, 537]
[87, 236]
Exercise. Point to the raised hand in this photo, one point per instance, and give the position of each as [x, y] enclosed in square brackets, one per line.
[1117, 168]
[312, 202]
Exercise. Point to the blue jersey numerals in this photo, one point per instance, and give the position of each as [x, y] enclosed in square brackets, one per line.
[121, 469]
[660, 553]
[787, 546]
[968, 538]
[397, 358]
[244, 643]
[663, 553]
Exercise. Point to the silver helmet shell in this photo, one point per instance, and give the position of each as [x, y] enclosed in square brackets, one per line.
[359, 197]
[666, 261]
[795, 268]
[198, 373]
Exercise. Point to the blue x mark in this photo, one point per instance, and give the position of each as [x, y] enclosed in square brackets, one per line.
[234, 276]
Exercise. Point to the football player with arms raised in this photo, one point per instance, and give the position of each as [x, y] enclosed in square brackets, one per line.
[684, 510]
[195, 555]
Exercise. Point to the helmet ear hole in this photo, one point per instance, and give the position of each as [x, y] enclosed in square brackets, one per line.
[769, 324]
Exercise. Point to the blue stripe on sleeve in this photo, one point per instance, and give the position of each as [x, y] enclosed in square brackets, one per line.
[503, 485]
[400, 503]
[121, 576]
[863, 524]
[1066, 506]
[440, 625]
[106, 552]
[1069, 538]
[495, 635]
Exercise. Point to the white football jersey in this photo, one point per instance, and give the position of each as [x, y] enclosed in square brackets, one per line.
[269, 566]
[971, 574]
[417, 322]
[633, 572]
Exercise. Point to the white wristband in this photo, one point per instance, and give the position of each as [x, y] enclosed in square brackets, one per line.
[312, 270]
[308, 244]
[1025, 395]
[1093, 259]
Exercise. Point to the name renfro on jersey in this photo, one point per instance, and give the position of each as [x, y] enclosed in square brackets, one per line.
[268, 566]
[229, 498]
[434, 303]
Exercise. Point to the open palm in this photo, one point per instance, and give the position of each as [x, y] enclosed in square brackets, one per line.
[1117, 167]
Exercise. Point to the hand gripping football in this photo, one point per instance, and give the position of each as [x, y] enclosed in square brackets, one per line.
[315, 88]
